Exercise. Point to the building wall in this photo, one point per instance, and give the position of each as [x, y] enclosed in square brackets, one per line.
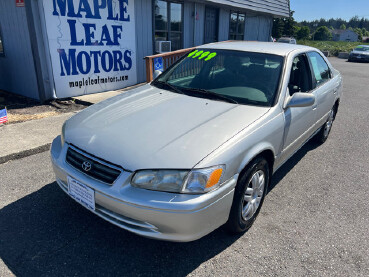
[224, 17]
[199, 24]
[258, 27]
[17, 69]
[144, 36]
[273, 7]
[349, 36]
[188, 24]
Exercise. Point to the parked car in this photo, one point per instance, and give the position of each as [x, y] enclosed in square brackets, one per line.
[196, 148]
[287, 40]
[360, 53]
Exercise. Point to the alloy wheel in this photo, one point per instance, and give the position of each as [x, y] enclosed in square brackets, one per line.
[328, 124]
[253, 195]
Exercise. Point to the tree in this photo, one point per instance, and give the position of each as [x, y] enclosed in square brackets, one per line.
[284, 27]
[358, 31]
[343, 27]
[323, 33]
[303, 33]
[278, 28]
[289, 24]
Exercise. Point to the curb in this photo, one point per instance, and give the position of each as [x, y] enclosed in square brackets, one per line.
[25, 153]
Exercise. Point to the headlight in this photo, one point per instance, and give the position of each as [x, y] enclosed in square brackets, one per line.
[163, 180]
[180, 181]
[63, 135]
[204, 180]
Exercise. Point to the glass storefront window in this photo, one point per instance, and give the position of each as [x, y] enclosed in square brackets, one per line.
[237, 26]
[168, 22]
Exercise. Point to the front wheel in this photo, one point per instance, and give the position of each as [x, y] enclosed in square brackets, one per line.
[248, 196]
[323, 134]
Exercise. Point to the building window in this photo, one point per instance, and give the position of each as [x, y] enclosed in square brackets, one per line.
[237, 26]
[169, 22]
[1, 44]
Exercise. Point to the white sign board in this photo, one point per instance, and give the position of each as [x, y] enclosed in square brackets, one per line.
[92, 45]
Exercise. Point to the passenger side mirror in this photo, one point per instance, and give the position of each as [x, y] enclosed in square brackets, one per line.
[157, 73]
[300, 99]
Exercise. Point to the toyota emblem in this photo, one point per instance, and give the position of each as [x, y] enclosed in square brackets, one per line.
[86, 166]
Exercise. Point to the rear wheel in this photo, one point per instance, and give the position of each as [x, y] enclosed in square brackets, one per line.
[249, 196]
[323, 134]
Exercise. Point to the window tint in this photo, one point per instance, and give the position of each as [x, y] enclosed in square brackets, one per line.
[300, 80]
[320, 68]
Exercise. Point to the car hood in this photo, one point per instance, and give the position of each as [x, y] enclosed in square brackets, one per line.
[153, 128]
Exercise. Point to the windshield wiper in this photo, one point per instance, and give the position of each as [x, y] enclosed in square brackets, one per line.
[213, 95]
[176, 89]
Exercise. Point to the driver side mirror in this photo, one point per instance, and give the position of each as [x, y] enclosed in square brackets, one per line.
[300, 99]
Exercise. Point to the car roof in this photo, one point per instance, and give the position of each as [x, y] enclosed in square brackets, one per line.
[281, 49]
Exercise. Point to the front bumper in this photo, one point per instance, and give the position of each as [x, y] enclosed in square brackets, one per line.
[153, 214]
[359, 58]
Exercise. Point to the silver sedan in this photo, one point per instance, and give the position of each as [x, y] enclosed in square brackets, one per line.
[196, 148]
[360, 53]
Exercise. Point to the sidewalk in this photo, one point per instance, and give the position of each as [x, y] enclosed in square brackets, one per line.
[35, 136]
[31, 137]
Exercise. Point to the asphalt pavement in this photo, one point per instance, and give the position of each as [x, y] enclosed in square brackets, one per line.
[314, 221]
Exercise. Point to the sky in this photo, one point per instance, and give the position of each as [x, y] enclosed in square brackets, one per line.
[316, 9]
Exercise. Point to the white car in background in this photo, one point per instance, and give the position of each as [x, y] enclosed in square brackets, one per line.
[287, 40]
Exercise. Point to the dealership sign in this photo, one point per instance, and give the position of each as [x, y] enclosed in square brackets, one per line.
[92, 45]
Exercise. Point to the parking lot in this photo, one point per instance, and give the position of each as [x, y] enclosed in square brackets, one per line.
[314, 221]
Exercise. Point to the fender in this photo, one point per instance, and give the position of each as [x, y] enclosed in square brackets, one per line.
[254, 152]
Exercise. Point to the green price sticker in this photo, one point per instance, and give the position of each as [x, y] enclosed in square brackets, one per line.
[202, 55]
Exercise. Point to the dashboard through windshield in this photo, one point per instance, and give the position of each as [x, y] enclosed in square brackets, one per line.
[225, 75]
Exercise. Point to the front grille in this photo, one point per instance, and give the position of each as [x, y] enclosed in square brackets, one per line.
[99, 170]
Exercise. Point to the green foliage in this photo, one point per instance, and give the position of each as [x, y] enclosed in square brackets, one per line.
[334, 47]
[343, 27]
[358, 31]
[284, 26]
[278, 28]
[323, 33]
[303, 33]
[337, 23]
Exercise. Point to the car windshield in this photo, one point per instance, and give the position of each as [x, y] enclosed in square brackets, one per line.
[224, 75]
[284, 40]
[362, 48]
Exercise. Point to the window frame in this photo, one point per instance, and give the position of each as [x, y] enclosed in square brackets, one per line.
[312, 82]
[236, 33]
[168, 31]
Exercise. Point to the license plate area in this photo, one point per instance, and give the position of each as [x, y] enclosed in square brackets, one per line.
[81, 193]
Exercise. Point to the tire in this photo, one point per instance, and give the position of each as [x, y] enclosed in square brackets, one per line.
[249, 196]
[323, 134]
